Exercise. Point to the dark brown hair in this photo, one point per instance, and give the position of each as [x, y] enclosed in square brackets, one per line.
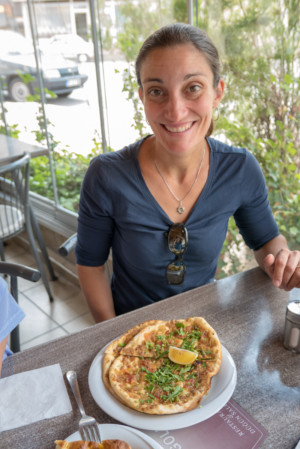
[178, 34]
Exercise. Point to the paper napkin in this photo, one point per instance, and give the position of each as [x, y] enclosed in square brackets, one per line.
[31, 396]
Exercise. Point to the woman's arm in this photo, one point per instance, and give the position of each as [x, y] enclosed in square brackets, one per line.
[2, 349]
[280, 263]
[96, 288]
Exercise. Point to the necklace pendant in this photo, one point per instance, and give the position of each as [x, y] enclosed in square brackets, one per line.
[180, 208]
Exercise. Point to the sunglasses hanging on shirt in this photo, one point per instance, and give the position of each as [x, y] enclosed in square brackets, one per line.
[177, 243]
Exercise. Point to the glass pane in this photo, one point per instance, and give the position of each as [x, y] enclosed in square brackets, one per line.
[82, 116]
[21, 112]
[259, 48]
[124, 26]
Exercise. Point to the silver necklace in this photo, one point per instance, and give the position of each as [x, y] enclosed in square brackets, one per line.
[180, 209]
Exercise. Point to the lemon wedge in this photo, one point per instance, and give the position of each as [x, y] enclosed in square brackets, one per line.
[181, 356]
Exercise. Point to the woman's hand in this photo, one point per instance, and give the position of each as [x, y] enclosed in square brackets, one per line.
[280, 263]
[284, 269]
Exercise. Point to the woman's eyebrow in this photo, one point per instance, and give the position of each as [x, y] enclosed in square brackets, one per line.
[153, 80]
[188, 76]
[191, 75]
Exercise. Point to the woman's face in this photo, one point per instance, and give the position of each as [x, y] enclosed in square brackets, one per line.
[178, 97]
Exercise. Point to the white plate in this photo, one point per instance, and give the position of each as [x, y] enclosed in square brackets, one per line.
[222, 387]
[135, 438]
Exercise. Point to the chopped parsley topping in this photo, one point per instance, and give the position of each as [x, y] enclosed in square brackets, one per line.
[191, 339]
[163, 383]
[161, 337]
[178, 325]
[180, 328]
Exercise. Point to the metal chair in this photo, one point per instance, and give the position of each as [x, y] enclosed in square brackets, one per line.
[68, 247]
[14, 271]
[16, 214]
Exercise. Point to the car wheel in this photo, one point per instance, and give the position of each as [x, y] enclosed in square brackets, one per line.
[18, 90]
[82, 57]
[65, 94]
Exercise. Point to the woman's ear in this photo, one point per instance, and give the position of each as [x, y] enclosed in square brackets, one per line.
[219, 93]
[141, 95]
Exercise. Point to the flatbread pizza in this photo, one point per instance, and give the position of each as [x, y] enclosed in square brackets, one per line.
[158, 386]
[114, 348]
[194, 334]
[138, 369]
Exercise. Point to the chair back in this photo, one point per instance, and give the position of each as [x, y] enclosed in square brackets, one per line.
[14, 191]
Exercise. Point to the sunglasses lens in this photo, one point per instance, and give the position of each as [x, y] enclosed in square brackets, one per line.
[177, 239]
[175, 272]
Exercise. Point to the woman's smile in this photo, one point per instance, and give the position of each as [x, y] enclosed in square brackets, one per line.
[178, 128]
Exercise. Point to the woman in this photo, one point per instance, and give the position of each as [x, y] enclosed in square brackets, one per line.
[10, 316]
[162, 204]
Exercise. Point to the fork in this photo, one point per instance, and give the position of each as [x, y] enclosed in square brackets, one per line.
[88, 428]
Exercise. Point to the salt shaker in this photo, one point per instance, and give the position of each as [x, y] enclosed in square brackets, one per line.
[292, 327]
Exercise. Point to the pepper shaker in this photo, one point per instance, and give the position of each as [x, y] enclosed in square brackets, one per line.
[292, 327]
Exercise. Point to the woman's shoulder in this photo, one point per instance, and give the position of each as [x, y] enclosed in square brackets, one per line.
[126, 154]
[217, 146]
[225, 153]
[105, 168]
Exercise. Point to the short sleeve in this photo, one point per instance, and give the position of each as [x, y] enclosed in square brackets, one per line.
[254, 217]
[95, 222]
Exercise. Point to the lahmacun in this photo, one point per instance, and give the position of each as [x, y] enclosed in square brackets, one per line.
[139, 373]
[114, 348]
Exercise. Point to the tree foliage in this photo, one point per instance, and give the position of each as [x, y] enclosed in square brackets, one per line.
[138, 20]
[70, 169]
[258, 41]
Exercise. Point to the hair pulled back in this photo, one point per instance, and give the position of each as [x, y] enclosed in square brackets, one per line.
[176, 34]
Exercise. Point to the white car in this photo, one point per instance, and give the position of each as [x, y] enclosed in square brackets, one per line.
[71, 46]
[19, 73]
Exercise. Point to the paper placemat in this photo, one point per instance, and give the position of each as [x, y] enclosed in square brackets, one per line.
[31, 396]
[230, 428]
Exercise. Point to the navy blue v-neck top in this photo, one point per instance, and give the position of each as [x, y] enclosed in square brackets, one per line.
[118, 211]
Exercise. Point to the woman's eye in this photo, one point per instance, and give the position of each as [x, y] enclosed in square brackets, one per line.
[155, 92]
[194, 88]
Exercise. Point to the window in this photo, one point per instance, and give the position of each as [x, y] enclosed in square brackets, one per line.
[80, 104]
[85, 100]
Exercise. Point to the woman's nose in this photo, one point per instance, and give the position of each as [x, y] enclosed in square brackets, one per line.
[175, 108]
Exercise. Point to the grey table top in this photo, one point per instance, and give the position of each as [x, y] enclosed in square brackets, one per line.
[248, 314]
[11, 149]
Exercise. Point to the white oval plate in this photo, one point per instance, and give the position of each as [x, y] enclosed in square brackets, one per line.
[135, 438]
[222, 387]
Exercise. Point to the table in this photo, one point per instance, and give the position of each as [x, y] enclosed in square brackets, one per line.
[11, 149]
[247, 312]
